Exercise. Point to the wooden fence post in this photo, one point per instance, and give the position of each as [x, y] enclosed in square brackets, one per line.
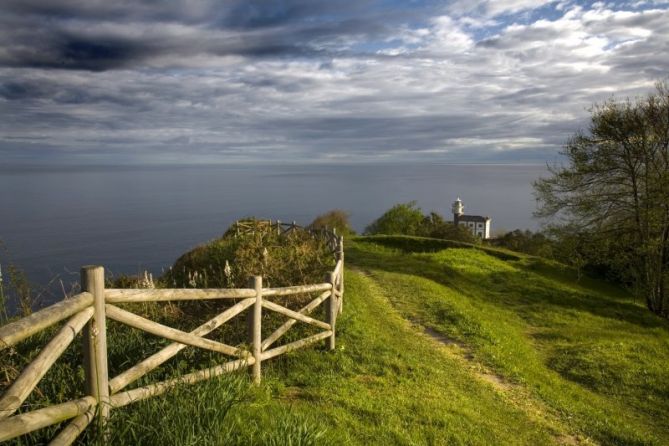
[340, 256]
[254, 319]
[331, 310]
[95, 341]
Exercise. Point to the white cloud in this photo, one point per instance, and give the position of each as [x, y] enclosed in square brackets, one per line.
[433, 90]
[491, 8]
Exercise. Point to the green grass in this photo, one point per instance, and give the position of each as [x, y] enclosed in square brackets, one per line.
[519, 352]
[386, 383]
[596, 359]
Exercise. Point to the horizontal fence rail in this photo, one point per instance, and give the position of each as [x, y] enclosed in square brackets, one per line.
[89, 311]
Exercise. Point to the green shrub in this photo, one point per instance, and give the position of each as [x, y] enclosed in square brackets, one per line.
[435, 226]
[533, 243]
[426, 244]
[334, 219]
[294, 258]
[401, 219]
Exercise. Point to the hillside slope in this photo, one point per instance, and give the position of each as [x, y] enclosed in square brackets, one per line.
[465, 346]
[593, 356]
[440, 343]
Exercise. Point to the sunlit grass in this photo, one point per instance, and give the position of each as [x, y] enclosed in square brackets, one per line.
[525, 354]
[597, 359]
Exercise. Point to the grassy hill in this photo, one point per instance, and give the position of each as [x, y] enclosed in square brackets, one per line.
[444, 343]
[476, 346]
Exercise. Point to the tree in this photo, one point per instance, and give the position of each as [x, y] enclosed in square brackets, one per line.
[615, 186]
[435, 226]
[334, 219]
[403, 218]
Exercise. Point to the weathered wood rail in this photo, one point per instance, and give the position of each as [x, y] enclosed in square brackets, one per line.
[89, 311]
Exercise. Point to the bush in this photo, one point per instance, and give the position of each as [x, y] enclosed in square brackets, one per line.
[335, 219]
[295, 258]
[401, 219]
[435, 226]
[528, 242]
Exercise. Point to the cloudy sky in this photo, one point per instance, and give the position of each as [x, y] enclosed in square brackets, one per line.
[206, 81]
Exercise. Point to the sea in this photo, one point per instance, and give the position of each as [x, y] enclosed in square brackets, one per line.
[129, 219]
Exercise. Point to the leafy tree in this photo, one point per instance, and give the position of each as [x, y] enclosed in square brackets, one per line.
[403, 218]
[577, 248]
[435, 226]
[334, 219]
[615, 186]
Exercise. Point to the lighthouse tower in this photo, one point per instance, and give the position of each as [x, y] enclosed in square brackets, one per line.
[479, 225]
[458, 210]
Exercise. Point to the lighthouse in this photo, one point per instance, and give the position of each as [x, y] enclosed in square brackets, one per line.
[479, 225]
[458, 210]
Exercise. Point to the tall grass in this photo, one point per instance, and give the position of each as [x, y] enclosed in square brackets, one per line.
[3, 301]
[197, 414]
[187, 415]
[203, 415]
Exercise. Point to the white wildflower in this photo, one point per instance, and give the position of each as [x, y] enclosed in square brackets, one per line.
[227, 270]
[146, 281]
[192, 279]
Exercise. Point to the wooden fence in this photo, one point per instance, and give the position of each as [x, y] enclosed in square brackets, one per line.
[263, 226]
[88, 312]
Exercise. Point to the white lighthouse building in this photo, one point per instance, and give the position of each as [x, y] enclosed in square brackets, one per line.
[479, 225]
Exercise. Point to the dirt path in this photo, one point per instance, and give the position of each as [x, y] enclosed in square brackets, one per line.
[515, 394]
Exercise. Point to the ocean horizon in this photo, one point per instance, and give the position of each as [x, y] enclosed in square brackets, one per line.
[130, 218]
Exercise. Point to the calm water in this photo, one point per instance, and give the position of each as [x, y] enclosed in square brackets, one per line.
[55, 220]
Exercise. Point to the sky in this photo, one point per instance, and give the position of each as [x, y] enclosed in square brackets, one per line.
[210, 81]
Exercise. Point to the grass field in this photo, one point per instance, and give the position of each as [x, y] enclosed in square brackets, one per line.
[471, 346]
[444, 344]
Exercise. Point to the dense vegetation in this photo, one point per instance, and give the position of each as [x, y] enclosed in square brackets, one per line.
[293, 258]
[198, 414]
[336, 219]
[613, 193]
[408, 219]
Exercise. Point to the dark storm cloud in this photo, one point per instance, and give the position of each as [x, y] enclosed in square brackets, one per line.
[245, 14]
[236, 14]
[20, 91]
[100, 35]
[121, 10]
[78, 53]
